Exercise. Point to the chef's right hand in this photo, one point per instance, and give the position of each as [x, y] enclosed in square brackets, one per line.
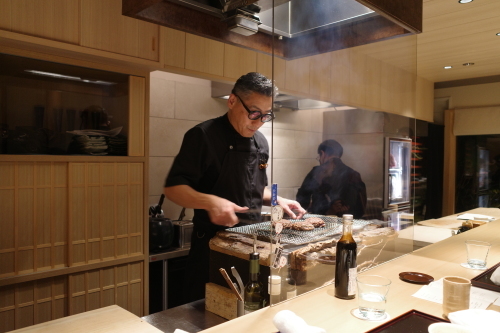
[223, 212]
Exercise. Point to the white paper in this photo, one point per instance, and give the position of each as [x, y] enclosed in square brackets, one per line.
[475, 217]
[497, 302]
[479, 298]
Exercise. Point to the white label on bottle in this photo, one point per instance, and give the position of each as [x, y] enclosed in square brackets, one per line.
[351, 287]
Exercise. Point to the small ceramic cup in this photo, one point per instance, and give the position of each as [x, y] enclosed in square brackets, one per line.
[456, 294]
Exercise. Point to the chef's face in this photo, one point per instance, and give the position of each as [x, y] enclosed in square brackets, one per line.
[238, 115]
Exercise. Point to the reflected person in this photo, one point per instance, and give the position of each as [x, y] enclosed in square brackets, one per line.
[332, 188]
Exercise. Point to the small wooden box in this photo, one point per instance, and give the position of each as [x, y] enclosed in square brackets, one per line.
[221, 301]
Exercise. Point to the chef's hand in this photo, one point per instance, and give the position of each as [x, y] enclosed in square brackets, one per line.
[222, 212]
[290, 205]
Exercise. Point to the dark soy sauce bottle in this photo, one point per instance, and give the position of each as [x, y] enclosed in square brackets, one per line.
[345, 262]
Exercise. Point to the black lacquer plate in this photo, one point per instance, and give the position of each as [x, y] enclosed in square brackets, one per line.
[483, 279]
[412, 321]
[415, 277]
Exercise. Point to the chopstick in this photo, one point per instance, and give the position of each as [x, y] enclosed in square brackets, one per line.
[230, 283]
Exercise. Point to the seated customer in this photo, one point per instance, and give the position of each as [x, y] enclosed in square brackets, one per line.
[332, 188]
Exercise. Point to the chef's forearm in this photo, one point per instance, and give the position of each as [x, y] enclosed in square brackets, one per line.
[187, 197]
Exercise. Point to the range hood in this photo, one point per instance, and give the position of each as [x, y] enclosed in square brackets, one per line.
[291, 17]
[223, 90]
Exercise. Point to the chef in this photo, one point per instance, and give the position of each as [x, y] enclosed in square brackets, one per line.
[220, 171]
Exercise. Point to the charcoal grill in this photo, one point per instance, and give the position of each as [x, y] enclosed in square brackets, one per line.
[263, 230]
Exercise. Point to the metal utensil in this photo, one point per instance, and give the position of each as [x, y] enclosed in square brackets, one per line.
[238, 278]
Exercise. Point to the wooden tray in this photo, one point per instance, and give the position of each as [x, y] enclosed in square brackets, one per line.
[483, 280]
[412, 321]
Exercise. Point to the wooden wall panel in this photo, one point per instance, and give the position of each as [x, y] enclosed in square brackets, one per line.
[52, 19]
[238, 61]
[319, 77]
[174, 47]
[204, 55]
[107, 213]
[34, 302]
[265, 67]
[33, 204]
[340, 76]
[297, 75]
[6, 15]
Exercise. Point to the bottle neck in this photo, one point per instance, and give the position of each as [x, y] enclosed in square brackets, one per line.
[254, 268]
[347, 232]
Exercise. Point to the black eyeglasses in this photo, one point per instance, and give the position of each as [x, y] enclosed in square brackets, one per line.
[254, 115]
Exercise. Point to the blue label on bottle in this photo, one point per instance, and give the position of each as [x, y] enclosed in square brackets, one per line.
[274, 195]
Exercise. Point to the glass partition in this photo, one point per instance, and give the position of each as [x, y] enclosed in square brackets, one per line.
[337, 116]
[53, 108]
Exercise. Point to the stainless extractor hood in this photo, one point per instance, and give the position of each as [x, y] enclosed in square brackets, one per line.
[222, 90]
[291, 17]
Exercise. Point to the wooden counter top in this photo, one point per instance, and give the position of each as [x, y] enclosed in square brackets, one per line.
[109, 319]
[321, 308]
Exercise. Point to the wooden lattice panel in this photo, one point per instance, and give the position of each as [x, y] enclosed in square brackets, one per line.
[106, 214]
[35, 302]
[33, 217]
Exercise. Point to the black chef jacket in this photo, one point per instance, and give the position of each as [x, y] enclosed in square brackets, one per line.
[215, 159]
[330, 182]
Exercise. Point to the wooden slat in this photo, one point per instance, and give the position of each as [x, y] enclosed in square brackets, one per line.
[265, 66]
[450, 154]
[212, 61]
[6, 15]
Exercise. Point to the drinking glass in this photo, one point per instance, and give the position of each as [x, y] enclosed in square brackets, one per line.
[477, 253]
[372, 297]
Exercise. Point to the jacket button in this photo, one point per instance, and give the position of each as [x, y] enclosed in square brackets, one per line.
[230, 147]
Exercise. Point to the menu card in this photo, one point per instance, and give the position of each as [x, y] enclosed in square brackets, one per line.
[479, 298]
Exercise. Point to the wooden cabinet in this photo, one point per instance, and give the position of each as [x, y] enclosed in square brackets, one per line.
[174, 47]
[103, 27]
[297, 75]
[52, 19]
[319, 77]
[204, 55]
[238, 61]
[265, 67]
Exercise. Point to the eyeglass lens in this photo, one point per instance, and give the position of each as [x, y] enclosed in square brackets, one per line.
[254, 115]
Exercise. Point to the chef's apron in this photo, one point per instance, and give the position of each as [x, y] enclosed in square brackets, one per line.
[240, 181]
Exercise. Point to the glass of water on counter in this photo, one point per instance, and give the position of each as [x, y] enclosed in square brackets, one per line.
[477, 253]
[372, 297]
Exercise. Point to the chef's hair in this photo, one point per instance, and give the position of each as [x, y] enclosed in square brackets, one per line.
[331, 147]
[254, 83]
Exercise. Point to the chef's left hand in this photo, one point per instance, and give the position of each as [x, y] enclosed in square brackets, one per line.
[291, 205]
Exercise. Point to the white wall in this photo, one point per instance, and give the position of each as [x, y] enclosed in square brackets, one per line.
[178, 103]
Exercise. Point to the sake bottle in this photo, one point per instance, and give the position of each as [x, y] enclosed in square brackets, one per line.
[345, 262]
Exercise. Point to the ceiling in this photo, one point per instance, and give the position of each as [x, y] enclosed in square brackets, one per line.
[454, 34]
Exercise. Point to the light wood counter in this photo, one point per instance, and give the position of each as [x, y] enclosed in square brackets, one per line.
[109, 319]
[321, 308]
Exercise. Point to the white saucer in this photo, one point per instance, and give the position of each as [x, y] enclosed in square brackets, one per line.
[466, 265]
[356, 313]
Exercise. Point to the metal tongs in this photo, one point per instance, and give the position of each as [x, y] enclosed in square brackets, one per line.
[155, 210]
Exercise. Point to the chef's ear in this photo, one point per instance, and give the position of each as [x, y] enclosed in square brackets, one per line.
[231, 101]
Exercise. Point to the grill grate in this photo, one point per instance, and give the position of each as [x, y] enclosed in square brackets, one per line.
[333, 226]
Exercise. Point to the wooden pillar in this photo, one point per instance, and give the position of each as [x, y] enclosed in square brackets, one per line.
[450, 160]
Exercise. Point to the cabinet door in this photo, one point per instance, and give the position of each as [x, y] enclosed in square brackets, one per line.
[297, 75]
[104, 27]
[238, 61]
[204, 55]
[51, 19]
[174, 46]
[265, 67]
[340, 76]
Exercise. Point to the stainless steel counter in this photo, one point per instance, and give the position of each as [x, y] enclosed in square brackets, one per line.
[175, 253]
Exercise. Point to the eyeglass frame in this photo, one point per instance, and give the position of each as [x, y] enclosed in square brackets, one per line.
[261, 115]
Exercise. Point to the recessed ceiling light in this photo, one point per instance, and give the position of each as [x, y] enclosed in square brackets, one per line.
[464, 1]
[498, 33]
[468, 64]
[448, 67]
